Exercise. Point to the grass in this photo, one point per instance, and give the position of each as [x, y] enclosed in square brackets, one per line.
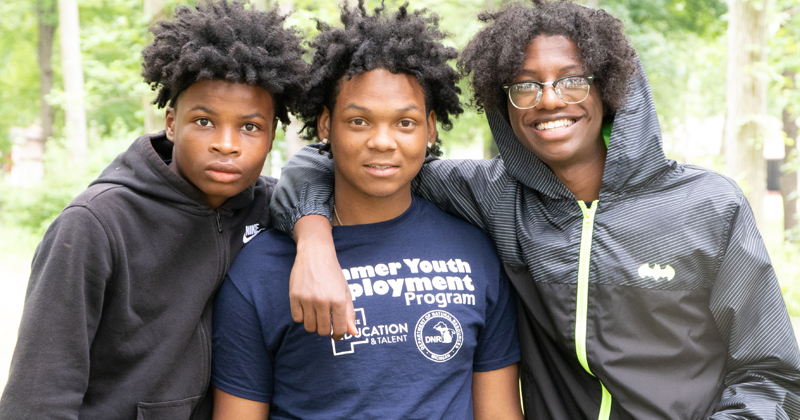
[16, 251]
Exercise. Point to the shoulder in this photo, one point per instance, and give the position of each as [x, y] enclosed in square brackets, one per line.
[454, 230]
[709, 188]
[266, 185]
[268, 256]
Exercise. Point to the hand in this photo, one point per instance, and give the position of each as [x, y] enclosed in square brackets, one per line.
[318, 291]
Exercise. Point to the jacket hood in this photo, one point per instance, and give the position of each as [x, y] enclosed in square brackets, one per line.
[144, 169]
[635, 152]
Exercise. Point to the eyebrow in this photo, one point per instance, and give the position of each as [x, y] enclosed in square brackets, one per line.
[364, 109]
[204, 109]
[356, 107]
[254, 115]
[243, 117]
[533, 72]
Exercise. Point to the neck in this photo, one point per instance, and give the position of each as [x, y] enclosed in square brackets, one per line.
[353, 209]
[584, 179]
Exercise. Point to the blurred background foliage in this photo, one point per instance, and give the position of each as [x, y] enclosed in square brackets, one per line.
[682, 45]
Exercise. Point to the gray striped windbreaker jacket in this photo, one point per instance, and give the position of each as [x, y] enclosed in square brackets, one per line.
[659, 301]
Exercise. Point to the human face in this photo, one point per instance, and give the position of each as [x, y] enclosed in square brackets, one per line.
[560, 134]
[222, 133]
[379, 133]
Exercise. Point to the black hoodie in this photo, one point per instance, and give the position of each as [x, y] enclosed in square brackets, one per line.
[117, 318]
[658, 301]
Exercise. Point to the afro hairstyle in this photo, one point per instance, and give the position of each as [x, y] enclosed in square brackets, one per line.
[496, 54]
[400, 42]
[222, 40]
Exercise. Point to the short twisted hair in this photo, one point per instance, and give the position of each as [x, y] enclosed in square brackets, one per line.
[222, 40]
[400, 42]
[495, 55]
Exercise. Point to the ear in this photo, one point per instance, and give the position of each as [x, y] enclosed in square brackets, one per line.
[170, 124]
[271, 138]
[432, 133]
[324, 124]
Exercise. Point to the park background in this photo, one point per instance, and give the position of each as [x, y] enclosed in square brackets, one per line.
[724, 75]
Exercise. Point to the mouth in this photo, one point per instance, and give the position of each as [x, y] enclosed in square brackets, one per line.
[381, 169]
[559, 124]
[223, 172]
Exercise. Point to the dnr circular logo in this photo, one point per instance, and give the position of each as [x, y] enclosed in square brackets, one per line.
[438, 335]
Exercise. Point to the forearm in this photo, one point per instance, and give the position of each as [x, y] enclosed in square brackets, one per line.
[763, 364]
[231, 407]
[319, 294]
[495, 394]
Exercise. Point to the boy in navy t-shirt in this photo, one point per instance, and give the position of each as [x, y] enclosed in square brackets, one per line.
[435, 333]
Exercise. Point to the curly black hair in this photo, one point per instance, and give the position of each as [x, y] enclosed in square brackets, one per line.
[495, 55]
[226, 41]
[400, 42]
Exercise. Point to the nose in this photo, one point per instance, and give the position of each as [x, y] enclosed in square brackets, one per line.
[382, 140]
[550, 99]
[227, 142]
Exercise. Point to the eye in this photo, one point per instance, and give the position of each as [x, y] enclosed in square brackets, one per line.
[250, 127]
[205, 122]
[407, 123]
[358, 121]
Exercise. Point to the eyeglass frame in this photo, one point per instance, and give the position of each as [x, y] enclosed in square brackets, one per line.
[507, 88]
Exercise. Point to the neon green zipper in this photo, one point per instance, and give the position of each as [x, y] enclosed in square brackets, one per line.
[581, 309]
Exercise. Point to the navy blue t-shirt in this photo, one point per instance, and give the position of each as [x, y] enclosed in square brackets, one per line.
[432, 306]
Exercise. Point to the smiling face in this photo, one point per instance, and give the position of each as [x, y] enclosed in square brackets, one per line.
[561, 135]
[222, 133]
[379, 133]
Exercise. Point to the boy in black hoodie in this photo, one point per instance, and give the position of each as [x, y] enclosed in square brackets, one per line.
[117, 315]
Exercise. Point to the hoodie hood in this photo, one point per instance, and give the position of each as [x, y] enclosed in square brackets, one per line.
[635, 152]
[144, 169]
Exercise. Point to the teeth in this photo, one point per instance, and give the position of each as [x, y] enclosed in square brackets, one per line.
[379, 167]
[554, 125]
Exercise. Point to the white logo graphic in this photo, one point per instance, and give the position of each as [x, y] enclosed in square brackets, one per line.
[250, 232]
[345, 345]
[656, 272]
[438, 335]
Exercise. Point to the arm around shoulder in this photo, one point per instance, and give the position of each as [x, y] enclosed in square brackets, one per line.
[63, 304]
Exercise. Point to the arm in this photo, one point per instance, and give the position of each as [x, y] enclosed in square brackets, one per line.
[495, 394]
[231, 407]
[763, 364]
[466, 188]
[49, 372]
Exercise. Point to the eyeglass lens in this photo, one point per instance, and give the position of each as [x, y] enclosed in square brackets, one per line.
[571, 90]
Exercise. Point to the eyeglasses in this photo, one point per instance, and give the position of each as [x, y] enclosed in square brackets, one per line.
[570, 89]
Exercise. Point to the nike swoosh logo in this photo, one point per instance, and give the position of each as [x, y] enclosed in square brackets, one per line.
[247, 238]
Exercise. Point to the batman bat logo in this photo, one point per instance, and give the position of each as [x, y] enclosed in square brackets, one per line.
[656, 272]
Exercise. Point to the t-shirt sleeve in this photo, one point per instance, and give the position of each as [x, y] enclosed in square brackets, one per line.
[498, 345]
[241, 363]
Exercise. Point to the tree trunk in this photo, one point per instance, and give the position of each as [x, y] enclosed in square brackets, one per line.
[746, 99]
[71, 64]
[47, 19]
[154, 119]
[788, 183]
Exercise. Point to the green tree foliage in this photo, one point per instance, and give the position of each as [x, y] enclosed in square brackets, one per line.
[19, 71]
